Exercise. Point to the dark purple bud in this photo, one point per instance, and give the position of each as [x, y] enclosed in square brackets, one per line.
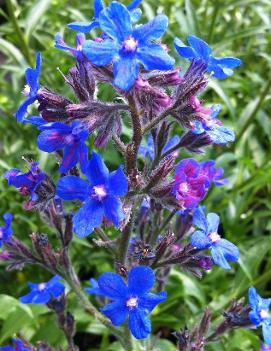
[52, 106]
[161, 171]
[100, 117]
[166, 79]
[44, 249]
[82, 81]
[183, 223]
[205, 323]
[183, 340]
[140, 250]
[194, 142]
[68, 234]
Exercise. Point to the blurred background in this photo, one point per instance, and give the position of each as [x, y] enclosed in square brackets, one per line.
[240, 28]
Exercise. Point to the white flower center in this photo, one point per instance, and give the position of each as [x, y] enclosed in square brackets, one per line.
[26, 90]
[130, 44]
[1, 234]
[41, 286]
[132, 302]
[214, 237]
[264, 314]
[184, 188]
[99, 192]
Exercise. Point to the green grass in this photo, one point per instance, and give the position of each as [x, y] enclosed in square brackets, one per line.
[239, 28]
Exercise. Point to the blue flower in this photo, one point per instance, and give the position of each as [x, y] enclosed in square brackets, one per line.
[85, 27]
[28, 182]
[31, 89]
[207, 122]
[133, 301]
[148, 150]
[42, 293]
[219, 67]
[206, 237]
[129, 47]
[260, 314]
[6, 231]
[18, 346]
[56, 136]
[99, 194]
[76, 52]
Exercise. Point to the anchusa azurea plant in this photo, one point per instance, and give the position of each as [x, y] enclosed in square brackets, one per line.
[147, 212]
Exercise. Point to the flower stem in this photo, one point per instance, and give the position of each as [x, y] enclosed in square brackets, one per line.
[18, 31]
[155, 121]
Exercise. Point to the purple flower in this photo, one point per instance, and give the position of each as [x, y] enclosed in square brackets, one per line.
[76, 52]
[148, 150]
[192, 181]
[56, 136]
[260, 314]
[6, 230]
[28, 182]
[219, 67]
[206, 237]
[127, 48]
[42, 293]
[31, 89]
[99, 194]
[208, 123]
[190, 185]
[133, 301]
[18, 345]
[85, 27]
[265, 347]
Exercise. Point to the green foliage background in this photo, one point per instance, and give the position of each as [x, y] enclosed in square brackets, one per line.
[233, 27]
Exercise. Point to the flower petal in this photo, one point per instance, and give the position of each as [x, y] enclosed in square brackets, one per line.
[134, 4]
[213, 222]
[267, 333]
[199, 219]
[116, 312]
[140, 280]
[51, 140]
[151, 30]
[83, 156]
[112, 285]
[230, 251]
[98, 7]
[113, 210]
[139, 323]
[100, 53]
[253, 297]
[57, 290]
[125, 71]
[83, 27]
[70, 158]
[32, 75]
[149, 301]
[115, 21]
[219, 258]
[153, 56]
[228, 62]
[88, 217]
[199, 240]
[21, 113]
[118, 183]
[201, 47]
[183, 50]
[96, 170]
[28, 298]
[221, 135]
[72, 188]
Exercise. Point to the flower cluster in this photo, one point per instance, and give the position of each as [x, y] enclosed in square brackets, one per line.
[152, 201]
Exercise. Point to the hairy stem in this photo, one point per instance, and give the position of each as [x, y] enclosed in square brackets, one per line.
[155, 121]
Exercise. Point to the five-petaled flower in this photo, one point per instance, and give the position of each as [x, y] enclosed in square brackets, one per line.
[260, 314]
[28, 182]
[133, 301]
[149, 149]
[42, 293]
[85, 27]
[207, 122]
[207, 237]
[18, 345]
[192, 181]
[100, 195]
[31, 89]
[71, 138]
[219, 67]
[126, 47]
[6, 230]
